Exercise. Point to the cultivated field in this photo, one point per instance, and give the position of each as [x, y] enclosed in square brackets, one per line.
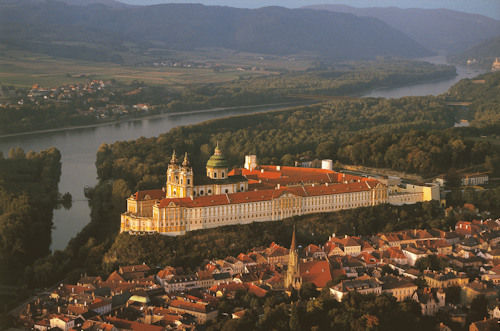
[23, 69]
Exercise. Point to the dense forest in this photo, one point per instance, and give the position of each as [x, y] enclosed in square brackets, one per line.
[28, 196]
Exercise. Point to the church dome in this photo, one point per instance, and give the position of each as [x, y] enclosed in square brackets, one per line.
[217, 160]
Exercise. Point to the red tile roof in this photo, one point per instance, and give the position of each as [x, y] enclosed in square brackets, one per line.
[134, 268]
[130, 325]
[264, 195]
[368, 258]
[166, 272]
[317, 272]
[227, 287]
[245, 258]
[115, 277]
[152, 194]
[254, 289]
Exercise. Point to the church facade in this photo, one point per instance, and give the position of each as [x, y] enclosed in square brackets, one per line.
[251, 194]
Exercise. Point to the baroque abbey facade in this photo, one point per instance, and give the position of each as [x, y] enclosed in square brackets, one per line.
[252, 194]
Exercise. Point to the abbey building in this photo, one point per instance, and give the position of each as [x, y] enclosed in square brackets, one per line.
[253, 194]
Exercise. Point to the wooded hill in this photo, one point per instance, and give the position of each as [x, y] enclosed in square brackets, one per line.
[100, 33]
[484, 53]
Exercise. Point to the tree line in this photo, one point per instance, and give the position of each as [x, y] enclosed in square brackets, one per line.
[28, 196]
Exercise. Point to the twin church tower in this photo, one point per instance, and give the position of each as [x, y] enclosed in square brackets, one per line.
[180, 178]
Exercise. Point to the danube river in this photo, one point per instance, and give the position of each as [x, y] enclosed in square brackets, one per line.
[79, 146]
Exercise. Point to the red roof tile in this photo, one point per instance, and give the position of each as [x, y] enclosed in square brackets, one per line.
[149, 194]
[317, 272]
[263, 195]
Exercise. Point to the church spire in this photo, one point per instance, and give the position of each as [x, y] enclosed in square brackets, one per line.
[173, 160]
[293, 271]
[217, 150]
[293, 246]
[186, 162]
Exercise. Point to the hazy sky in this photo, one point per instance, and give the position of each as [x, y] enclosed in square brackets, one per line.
[489, 8]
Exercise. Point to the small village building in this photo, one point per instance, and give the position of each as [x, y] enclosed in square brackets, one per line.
[202, 311]
[446, 279]
[363, 286]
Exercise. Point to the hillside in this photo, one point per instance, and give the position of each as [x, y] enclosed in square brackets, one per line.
[437, 29]
[103, 32]
[484, 54]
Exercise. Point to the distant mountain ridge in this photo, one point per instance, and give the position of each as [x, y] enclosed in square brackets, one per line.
[437, 29]
[269, 30]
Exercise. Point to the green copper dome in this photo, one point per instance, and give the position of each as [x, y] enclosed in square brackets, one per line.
[217, 160]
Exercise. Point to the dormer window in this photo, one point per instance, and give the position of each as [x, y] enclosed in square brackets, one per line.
[215, 175]
[222, 175]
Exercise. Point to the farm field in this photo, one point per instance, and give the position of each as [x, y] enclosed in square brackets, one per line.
[23, 69]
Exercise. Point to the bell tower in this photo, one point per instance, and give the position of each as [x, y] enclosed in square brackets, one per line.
[186, 178]
[293, 272]
[173, 178]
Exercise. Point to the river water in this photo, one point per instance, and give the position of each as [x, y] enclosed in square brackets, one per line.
[78, 147]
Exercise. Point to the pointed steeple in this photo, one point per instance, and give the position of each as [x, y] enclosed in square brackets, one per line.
[293, 246]
[173, 160]
[217, 150]
[186, 163]
[293, 277]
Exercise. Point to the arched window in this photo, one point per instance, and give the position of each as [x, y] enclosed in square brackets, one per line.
[226, 191]
[189, 181]
[215, 175]
[222, 175]
[201, 192]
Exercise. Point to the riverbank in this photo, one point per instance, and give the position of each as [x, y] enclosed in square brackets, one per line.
[161, 115]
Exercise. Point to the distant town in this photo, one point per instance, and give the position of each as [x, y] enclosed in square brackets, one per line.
[95, 98]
